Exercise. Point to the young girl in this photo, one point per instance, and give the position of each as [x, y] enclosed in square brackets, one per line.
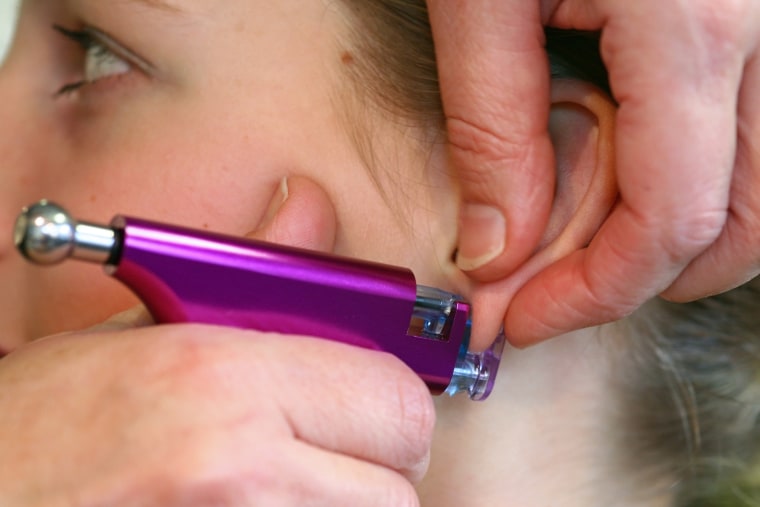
[319, 123]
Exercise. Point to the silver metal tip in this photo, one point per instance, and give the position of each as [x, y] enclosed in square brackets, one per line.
[45, 233]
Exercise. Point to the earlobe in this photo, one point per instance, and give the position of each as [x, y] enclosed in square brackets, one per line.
[582, 130]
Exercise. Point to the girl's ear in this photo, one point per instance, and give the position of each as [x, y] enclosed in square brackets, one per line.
[581, 126]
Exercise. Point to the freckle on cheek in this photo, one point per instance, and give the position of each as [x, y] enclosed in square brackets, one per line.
[347, 58]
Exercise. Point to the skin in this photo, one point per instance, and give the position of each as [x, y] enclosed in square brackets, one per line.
[186, 414]
[205, 142]
[686, 76]
[104, 131]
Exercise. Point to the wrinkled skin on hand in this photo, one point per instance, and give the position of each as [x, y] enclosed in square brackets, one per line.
[686, 76]
[197, 415]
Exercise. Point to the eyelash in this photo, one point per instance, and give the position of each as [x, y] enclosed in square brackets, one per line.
[96, 45]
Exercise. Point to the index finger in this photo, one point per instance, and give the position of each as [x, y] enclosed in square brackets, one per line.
[495, 87]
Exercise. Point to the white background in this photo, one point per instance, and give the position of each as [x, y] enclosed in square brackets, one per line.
[7, 18]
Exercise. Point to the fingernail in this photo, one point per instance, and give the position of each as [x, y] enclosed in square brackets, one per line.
[482, 230]
[135, 317]
[277, 201]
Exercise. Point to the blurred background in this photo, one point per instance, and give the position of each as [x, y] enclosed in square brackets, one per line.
[7, 20]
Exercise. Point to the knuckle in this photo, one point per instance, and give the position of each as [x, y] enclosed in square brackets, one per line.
[268, 480]
[187, 358]
[718, 22]
[492, 149]
[605, 301]
[681, 233]
[692, 234]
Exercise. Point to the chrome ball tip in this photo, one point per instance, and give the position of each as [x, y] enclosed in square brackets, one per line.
[45, 233]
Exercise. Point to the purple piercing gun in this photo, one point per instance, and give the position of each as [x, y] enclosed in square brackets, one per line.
[186, 275]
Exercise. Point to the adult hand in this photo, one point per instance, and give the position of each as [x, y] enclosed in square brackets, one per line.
[686, 76]
[130, 414]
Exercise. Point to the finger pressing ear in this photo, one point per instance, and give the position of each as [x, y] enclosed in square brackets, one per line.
[496, 134]
[582, 130]
[300, 214]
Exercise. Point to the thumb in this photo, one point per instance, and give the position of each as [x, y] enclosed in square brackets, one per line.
[300, 214]
[495, 89]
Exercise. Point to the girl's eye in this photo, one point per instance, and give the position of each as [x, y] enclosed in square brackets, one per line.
[101, 58]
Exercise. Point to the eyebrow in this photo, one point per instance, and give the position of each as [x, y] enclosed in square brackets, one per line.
[162, 5]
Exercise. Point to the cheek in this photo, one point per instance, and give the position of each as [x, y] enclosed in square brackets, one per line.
[199, 177]
[202, 178]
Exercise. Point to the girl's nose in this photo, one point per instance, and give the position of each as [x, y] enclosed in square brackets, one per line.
[22, 147]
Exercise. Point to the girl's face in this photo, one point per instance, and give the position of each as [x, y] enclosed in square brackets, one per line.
[191, 112]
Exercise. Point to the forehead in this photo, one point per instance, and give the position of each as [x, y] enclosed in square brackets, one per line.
[168, 6]
[157, 4]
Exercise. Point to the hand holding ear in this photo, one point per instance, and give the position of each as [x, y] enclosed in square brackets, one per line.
[181, 415]
[687, 78]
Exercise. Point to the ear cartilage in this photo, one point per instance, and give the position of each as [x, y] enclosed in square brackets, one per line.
[188, 275]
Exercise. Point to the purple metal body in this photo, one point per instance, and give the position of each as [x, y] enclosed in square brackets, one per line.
[185, 275]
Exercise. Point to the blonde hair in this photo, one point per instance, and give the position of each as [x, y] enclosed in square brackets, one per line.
[690, 397]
